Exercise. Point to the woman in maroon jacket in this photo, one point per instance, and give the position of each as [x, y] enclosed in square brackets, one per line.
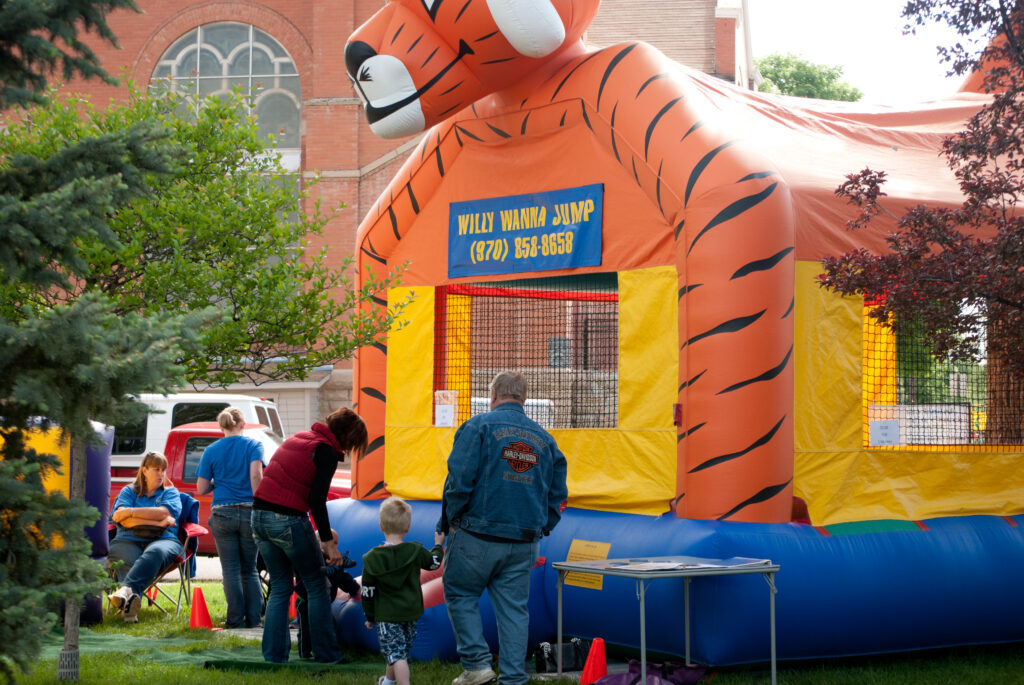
[294, 487]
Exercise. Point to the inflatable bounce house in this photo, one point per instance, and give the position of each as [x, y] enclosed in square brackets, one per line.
[52, 440]
[642, 241]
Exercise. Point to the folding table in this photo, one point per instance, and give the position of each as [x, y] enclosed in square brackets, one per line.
[645, 569]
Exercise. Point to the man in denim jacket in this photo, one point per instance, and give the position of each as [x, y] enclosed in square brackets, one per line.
[504, 491]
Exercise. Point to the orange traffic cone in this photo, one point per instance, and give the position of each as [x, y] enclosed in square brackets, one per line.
[596, 666]
[292, 614]
[199, 617]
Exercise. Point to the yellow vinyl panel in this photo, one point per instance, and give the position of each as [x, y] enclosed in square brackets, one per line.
[827, 358]
[839, 478]
[413, 457]
[417, 460]
[52, 442]
[648, 348]
[410, 377]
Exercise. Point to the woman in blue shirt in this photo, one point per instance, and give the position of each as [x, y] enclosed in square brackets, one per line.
[231, 468]
[146, 513]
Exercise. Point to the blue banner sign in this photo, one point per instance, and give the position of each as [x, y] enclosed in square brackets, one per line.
[558, 229]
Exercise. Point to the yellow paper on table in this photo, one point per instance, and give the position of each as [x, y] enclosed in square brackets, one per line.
[586, 550]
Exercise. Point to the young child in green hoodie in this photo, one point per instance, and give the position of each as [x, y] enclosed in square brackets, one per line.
[392, 597]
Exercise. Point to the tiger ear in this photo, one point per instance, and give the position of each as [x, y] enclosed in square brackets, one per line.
[532, 27]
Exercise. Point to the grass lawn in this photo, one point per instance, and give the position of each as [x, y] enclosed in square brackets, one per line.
[151, 651]
[132, 663]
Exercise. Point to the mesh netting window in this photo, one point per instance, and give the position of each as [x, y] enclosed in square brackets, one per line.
[561, 333]
[912, 398]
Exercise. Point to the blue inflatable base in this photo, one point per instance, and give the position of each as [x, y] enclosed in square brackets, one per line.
[951, 581]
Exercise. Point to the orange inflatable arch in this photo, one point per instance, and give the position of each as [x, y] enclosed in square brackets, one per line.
[709, 206]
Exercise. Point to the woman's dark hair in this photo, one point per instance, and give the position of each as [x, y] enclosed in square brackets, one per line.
[350, 430]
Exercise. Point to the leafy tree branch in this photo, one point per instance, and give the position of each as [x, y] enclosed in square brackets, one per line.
[956, 271]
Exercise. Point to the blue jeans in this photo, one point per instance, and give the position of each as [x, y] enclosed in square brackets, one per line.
[289, 548]
[472, 565]
[143, 561]
[232, 531]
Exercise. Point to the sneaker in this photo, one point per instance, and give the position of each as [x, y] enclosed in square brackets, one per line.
[119, 598]
[484, 675]
[131, 609]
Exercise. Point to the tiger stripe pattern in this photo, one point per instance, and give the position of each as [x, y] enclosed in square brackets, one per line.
[727, 210]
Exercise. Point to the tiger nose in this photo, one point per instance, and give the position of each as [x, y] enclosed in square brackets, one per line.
[356, 53]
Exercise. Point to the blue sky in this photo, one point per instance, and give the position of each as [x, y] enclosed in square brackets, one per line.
[864, 37]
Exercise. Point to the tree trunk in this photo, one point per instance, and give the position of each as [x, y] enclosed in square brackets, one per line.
[67, 661]
[1004, 423]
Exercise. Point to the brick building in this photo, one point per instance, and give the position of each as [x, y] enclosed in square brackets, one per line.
[709, 35]
[294, 51]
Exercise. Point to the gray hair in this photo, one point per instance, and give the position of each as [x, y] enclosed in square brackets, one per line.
[509, 384]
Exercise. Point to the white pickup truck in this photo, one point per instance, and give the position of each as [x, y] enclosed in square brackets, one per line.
[132, 441]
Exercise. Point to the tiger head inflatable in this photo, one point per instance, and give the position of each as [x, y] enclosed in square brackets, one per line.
[416, 62]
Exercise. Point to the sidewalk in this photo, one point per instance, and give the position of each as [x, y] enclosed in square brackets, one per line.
[207, 568]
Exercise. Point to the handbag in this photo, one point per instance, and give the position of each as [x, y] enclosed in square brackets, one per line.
[574, 656]
[147, 531]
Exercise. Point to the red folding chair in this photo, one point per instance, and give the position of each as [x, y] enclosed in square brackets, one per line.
[189, 532]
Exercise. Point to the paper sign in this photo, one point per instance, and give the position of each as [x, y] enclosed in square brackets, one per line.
[586, 550]
[446, 406]
[444, 415]
[884, 433]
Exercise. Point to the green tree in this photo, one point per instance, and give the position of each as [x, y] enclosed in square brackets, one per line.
[792, 75]
[76, 361]
[38, 39]
[140, 248]
[956, 274]
[227, 229]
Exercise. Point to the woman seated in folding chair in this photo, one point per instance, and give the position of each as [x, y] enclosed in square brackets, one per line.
[146, 513]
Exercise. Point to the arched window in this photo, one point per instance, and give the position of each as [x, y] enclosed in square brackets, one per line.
[215, 58]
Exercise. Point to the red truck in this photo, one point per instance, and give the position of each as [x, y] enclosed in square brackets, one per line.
[185, 446]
